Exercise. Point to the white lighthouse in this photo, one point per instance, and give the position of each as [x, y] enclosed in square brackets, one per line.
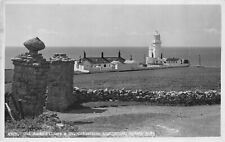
[155, 51]
[156, 45]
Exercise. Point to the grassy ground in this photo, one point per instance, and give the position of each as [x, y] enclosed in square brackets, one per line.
[175, 79]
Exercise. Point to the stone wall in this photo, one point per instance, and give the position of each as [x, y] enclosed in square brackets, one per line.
[171, 98]
[60, 83]
[29, 82]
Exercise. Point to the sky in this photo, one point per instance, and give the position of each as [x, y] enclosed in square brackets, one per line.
[113, 25]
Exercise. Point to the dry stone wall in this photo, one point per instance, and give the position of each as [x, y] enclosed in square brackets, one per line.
[186, 98]
[60, 83]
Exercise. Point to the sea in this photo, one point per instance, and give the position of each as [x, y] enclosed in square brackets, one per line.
[209, 56]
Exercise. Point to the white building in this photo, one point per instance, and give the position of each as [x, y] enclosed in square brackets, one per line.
[155, 56]
[101, 64]
[176, 62]
[98, 64]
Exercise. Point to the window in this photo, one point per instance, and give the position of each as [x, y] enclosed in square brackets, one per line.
[104, 65]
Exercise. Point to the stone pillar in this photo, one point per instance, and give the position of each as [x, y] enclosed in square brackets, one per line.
[30, 78]
[60, 83]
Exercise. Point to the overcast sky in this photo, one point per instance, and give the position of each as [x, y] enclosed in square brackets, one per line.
[114, 25]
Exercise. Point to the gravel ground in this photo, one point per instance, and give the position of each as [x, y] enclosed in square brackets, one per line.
[145, 120]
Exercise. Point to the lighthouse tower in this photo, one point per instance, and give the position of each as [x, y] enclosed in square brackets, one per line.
[154, 51]
[155, 48]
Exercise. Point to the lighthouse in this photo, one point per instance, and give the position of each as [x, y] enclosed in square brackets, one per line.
[155, 50]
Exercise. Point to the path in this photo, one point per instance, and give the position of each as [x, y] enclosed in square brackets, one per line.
[149, 120]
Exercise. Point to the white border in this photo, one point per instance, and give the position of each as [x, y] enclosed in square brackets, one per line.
[133, 2]
[2, 65]
[114, 1]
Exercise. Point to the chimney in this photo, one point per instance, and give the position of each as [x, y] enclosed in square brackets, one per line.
[102, 55]
[80, 59]
[84, 54]
[131, 57]
[119, 54]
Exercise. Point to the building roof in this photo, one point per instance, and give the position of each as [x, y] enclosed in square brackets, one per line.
[130, 62]
[101, 59]
[96, 60]
[116, 62]
[172, 59]
[104, 60]
[110, 59]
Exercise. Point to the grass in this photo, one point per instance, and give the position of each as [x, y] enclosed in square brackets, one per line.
[175, 79]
